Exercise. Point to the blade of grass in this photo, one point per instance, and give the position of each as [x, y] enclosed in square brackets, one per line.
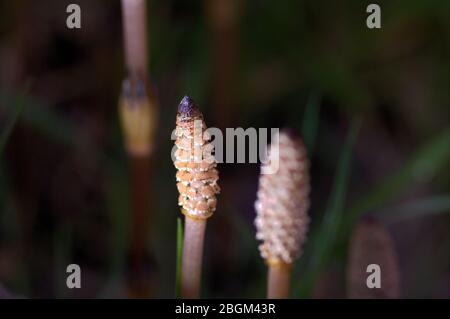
[179, 258]
[323, 240]
[422, 166]
[117, 203]
[417, 208]
[37, 116]
[311, 121]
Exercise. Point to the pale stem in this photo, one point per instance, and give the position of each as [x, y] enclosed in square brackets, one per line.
[194, 233]
[135, 36]
[278, 281]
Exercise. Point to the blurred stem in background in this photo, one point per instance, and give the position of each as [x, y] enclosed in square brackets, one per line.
[138, 115]
[223, 20]
[134, 21]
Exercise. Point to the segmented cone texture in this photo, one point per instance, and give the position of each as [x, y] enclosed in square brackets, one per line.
[197, 174]
[372, 244]
[282, 202]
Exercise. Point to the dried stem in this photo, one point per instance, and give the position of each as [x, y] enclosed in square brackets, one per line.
[135, 36]
[278, 281]
[194, 233]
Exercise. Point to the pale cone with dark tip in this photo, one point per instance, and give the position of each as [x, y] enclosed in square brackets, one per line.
[197, 175]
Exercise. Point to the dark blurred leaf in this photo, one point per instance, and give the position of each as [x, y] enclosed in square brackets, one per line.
[248, 254]
[311, 121]
[117, 201]
[322, 241]
[417, 208]
[10, 125]
[40, 118]
[421, 167]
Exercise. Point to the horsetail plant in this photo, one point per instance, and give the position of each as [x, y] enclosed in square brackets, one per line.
[137, 105]
[137, 111]
[281, 206]
[137, 119]
[197, 178]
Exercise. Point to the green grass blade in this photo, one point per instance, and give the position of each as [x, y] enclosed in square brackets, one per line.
[422, 166]
[311, 121]
[117, 203]
[439, 204]
[179, 258]
[39, 117]
[323, 240]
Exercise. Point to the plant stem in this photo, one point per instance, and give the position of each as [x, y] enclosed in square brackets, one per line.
[135, 36]
[278, 281]
[139, 263]
[140, 201]
[194, 234]
[139, 119]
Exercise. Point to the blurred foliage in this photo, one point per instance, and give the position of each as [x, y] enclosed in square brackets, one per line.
[37, 116]
[4, 135]
[312, 65]
[418, 208]
[421, 167]
[323, 241]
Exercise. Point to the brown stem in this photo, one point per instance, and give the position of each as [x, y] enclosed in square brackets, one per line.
[278, 281]
[135, 36]
[138, 116]
[139, 276]
[194, 233]
[139, 171]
